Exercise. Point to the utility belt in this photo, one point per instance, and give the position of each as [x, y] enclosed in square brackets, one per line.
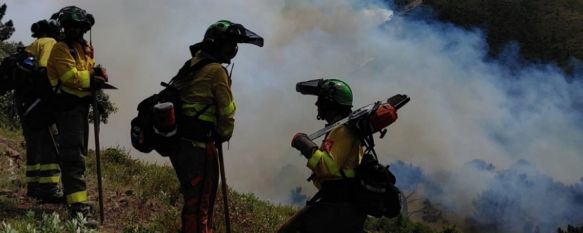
[192, 128]
[336, 191]
[37, 109]
[64, 101]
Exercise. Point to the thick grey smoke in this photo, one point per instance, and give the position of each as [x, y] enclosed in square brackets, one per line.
[463, 107]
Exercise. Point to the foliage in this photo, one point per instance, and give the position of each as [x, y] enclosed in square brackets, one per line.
[106, 108]
[8, 116]
[6, 29]
[571, 229]
[145, 198]
[546, 30]
[47, 223]
[403, 225]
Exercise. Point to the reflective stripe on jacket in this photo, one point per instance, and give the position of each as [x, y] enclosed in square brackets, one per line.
[210, 86]
[72, 72]
[340, 151]
[41, 50]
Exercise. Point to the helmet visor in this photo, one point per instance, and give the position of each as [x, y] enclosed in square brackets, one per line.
[244, 35]
[311, 87]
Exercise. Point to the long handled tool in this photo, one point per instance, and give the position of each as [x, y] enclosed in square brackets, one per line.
[224, 187]
[96, 120]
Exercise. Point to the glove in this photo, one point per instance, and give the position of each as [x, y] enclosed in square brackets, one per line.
[301, 142]
[97, 82]
[220, 139]
[100, 71]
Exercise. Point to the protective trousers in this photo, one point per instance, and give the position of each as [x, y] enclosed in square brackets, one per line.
[73, 129]
[198, 173]
[42, 169]
[329, 217]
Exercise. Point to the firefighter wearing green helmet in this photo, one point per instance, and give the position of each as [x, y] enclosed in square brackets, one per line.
[72, 73]
[332, 164]
[205, 118]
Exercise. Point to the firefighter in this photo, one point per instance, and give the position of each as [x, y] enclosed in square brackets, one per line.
[206, 118]
[42, 169]
[333, 208]
[72, 73]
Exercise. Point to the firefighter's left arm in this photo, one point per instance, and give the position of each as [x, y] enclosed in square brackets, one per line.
[225, 104]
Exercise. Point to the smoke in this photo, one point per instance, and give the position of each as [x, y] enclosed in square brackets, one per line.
[464, 106]
[517, 199]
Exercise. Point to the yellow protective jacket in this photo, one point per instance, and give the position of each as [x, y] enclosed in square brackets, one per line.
[340, 151]
[211, 85]
[41, 50]
[71, 67]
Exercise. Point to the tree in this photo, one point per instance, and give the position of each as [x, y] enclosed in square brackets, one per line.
[6, 29]
[548, 31]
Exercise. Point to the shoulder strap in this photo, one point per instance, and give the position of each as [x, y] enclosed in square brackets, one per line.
[187, 68]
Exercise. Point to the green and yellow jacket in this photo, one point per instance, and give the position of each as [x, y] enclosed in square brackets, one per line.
[211, 85]
[340, 152]
[72, 67]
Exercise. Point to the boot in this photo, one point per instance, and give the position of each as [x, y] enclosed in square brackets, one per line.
[32, 190]
[84, 209]
[49, 193]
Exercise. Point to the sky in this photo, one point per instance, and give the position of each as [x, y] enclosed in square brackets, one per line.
[464, 106]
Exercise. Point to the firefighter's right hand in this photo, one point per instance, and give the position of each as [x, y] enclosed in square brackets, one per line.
[97, 82]
[302, 142]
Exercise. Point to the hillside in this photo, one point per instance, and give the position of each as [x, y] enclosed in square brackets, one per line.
[547, 31]
[140, 198]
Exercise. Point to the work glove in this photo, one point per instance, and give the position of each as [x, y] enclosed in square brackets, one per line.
[302, 143]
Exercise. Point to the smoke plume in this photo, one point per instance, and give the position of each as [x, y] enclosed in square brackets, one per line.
[465, 107]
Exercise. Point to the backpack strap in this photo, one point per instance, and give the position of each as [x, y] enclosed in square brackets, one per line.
[187, 69]
[183, 73]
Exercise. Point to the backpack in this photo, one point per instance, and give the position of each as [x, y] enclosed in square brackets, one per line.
[144, 134]
[15, 70]
[375, 191]
[33, 91]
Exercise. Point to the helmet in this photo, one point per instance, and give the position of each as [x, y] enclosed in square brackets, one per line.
[329, 91]
[226, 31]
[42, 27]
[73, 15]
[335, 91]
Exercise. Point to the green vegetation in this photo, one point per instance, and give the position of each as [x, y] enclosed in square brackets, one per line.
[47, 223]
[549, 31]
[143, 198]
[571, 229]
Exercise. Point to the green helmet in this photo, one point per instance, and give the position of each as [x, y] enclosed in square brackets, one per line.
[336, 91]
[329, 91]
[225, 30]
[73, 15]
